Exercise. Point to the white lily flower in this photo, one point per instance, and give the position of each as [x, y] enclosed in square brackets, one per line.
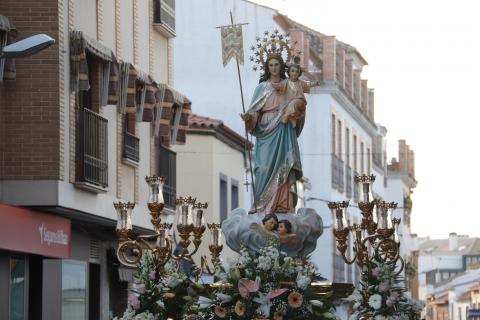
[204, 302]
[316, 303]
[224, 297]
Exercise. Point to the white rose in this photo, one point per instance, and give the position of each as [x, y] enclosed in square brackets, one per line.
[375, 301]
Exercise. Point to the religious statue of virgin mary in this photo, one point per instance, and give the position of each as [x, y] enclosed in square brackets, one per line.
[277, 161]
[277, 156]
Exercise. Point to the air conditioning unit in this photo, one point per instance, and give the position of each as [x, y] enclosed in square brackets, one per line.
[164, 17]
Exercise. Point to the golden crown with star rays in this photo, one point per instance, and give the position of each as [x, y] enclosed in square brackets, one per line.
[276, 45]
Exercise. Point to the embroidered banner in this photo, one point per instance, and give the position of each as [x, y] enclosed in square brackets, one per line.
[232, 43]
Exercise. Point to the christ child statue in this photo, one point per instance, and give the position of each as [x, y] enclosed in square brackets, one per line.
[294, 89]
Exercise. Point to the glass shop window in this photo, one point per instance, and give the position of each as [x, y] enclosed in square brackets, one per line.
[74, 294]
[17, 289]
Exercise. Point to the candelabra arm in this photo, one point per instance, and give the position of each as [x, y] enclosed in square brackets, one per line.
[205, 266]
[129, 253]
[402, 266]
[347, 261]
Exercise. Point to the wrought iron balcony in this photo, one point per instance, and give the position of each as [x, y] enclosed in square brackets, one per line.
[356, 191]
[92, 150]
[131, 147]
[338, 177]
[341, 175]
[334, 171]
[349, 182]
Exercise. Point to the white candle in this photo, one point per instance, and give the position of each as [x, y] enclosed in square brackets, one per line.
[366, 190]
[215, 241]
[184, 214]
[339, 215]
[161, 238]
[198, 220]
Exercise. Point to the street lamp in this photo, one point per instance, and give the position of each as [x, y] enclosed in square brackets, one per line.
[27, 46]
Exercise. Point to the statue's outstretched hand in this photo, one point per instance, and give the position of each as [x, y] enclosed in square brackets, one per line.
[246, 117]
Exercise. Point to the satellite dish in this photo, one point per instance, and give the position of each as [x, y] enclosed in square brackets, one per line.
[27, 47]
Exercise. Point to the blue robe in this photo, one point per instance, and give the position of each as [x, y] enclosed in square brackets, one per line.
[277, 156]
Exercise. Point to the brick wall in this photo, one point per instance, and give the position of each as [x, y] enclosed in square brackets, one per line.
[329, 58]
[356, 87]
[340, 60]
[30, 105]
[349, 76]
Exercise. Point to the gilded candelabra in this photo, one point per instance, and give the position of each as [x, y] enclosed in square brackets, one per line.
[376, 237]
[190, 228]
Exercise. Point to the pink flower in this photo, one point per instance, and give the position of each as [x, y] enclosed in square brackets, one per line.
[376, 272]
[220, 311]
[152, 275]
[133, 301]
[140, 288]
[245, 287]
[383, 287]
[295, 300]
[392, 299]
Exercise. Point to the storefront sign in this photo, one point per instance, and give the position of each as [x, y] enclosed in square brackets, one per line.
[30, 231]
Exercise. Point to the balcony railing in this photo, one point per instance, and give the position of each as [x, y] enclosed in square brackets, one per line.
[131, 147]
[341, 175]
[356, 191]
[334, 171]
[168, 169]
[348, 180]
[92, 156]
[338, 177]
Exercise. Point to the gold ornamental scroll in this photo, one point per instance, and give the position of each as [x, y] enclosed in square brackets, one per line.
[232, 43]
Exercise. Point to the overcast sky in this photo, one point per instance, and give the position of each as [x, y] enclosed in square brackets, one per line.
[423, 62]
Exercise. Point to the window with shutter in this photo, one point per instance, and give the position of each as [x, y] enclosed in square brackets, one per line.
[164, 17]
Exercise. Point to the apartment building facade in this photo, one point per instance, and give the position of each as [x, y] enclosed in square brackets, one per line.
[82, 124]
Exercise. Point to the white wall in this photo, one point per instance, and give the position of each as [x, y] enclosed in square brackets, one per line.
[199, 164]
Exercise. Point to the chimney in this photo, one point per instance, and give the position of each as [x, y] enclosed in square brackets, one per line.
[357, 87]
[452, 241]
[329, 57]
[341, 66]
[364, 96]
[349, 76]
[371, 104]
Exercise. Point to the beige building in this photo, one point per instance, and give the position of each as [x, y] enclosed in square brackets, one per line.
[80, 127]
[211, 167]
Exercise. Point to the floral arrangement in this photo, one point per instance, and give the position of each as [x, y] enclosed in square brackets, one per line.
[156, 297]
[266, 285]
[381, 295]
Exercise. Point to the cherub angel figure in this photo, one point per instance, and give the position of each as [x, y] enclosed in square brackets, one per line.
[268, 228]
[285, 232]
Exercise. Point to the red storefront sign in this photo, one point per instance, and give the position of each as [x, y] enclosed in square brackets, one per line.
[30, 231]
